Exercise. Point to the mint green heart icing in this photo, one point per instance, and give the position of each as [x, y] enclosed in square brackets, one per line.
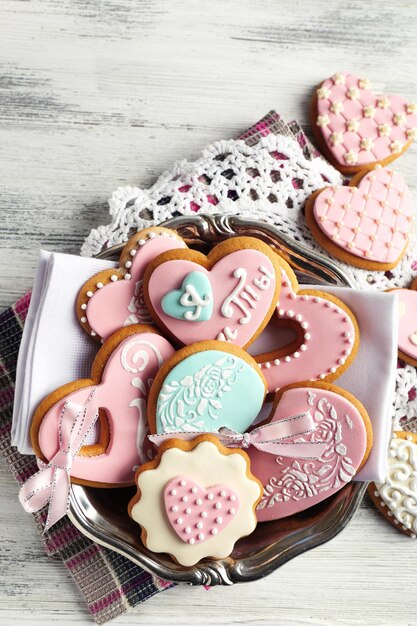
[193, 302]
[209, 390]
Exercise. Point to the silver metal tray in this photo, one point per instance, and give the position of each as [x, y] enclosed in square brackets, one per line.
[101, 514]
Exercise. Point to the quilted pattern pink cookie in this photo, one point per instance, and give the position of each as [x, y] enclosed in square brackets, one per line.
[366, 224]
[113, 298]
[357, 128]
[195, 500]
[339, 439]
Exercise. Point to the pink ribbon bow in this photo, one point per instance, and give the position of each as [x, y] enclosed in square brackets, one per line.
[52, 482]
[269, 438]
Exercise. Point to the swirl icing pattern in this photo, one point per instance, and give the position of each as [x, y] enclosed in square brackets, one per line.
[396, 498]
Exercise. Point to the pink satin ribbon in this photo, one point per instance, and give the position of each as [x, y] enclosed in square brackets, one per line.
[52, 482]
[269, 438]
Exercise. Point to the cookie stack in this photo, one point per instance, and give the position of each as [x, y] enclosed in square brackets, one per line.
[177, 405]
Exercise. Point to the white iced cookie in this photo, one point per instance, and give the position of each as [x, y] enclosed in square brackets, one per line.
[396, 498]
[195, 500]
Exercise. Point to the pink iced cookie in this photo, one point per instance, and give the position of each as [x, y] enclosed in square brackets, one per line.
[292, 484]
[228, 295]
[113, 298]
[407, 323]
[121, 376]
[358, 128]
[367, 223]
[327, 336]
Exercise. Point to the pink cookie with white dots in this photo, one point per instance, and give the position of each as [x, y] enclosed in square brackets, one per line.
[366, 224]
[358, 129]
[326, 336]
[196, 499]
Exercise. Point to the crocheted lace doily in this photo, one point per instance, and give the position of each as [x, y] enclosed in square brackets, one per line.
[269, 178]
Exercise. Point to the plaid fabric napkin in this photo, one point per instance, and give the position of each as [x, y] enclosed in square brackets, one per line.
[109, 583]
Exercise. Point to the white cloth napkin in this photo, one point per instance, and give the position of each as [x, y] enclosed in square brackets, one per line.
[55, 350]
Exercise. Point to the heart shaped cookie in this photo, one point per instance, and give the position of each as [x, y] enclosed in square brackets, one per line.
[120, 378]
[327, 336]
[358, 129]
[367, 223]
[233, 295]
[198, 513]
[113, 298]
[407, 323]
[200, 389]
[292, 485]
[195, 500]
[396, 498]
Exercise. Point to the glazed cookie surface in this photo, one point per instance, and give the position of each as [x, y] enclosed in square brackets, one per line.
[327, 336]
[195, 500]
[339, 438]
[228, 295]
[357, 128]
[396, 498]
[204, 387]
[366, 224]
[113, 298]
[407, 323]
[120, 379]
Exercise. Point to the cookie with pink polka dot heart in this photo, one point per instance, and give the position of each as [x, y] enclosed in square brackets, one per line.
[358, 129]
[367, 223]
[196, 499]
[113, 298]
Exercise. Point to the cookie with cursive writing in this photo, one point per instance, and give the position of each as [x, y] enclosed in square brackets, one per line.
[113, 403]
[325, 438]
[407, 323]
[113, 298]
[195, 500]
[366, 223]
[204, 387]
[396, 497]
[358, 129]
[326, 337]
[228, 295]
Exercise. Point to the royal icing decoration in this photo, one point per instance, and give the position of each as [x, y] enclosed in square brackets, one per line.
[121, 393]
[397, 496]
[114, 298]
[327, 336]
[193, 302]
[229, 302]
[196, 502]
[204, 392]
[294, 484]
[370, 221]
[195, 513]
[351, 109]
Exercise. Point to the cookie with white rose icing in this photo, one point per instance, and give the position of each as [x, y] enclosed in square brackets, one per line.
[195, 500]
[407, 323]
[367, 223]
[396, 497]
[113, 298]
[204, 387]
[358, 129]
[326, 341]
[228, 295]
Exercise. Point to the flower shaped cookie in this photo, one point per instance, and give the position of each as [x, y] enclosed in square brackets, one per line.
[195, 500]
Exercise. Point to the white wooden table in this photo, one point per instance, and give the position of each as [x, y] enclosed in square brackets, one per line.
[98, 94]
